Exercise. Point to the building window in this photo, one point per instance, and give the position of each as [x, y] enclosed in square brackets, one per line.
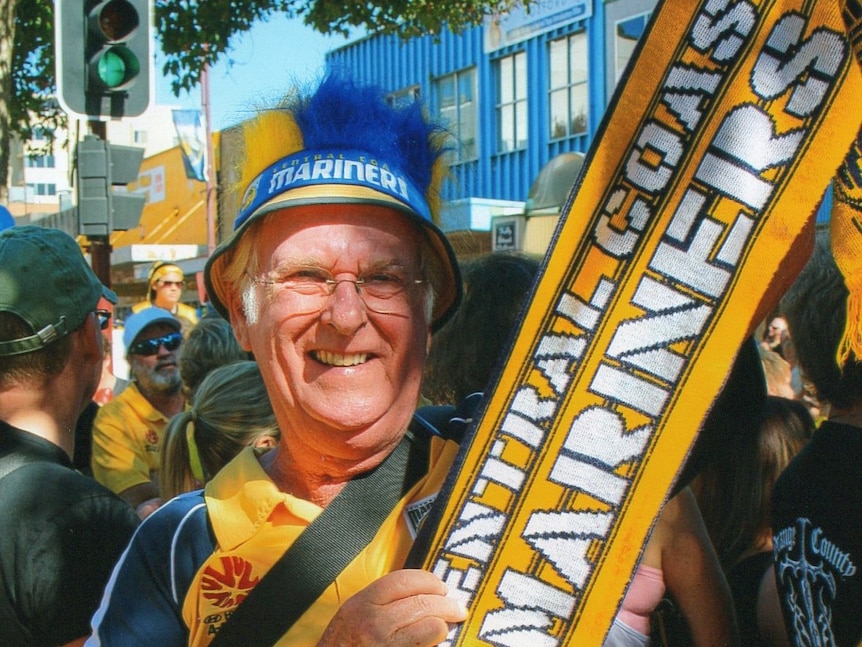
[627, 33]
[456, 99]
[40, 161]
[403, 97]
[512, 102]
[569, 99]
[139, 137]
[42, 189]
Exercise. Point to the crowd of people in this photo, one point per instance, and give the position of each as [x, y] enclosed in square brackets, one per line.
[258, 473]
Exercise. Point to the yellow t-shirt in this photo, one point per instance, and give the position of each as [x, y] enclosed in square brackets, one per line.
[127, 436]
[254, 523]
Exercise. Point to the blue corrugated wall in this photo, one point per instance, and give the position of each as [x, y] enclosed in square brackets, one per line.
[397, 65]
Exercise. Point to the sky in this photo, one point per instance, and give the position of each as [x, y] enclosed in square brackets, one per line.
[262, 66]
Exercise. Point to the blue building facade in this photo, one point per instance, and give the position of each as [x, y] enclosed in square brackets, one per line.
[516, 92]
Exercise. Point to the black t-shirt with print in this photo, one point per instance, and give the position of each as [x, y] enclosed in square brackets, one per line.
[817, 536]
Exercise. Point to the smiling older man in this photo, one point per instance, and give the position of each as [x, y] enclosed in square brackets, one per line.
[334, 278]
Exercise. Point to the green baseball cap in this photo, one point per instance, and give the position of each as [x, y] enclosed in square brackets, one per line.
[45, 280]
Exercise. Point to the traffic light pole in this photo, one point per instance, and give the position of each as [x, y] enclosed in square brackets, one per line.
[100, 246]
[104, 71]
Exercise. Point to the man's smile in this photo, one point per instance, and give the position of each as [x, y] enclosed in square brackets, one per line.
[338, 359]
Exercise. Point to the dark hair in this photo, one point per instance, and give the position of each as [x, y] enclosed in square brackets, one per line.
[208, 345]
[816, 308]
[466, 351]
[45, 361]
[733, 415]
[735, 489]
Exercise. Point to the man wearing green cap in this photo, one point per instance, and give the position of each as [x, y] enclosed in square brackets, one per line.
[334, 279]
[60, 531]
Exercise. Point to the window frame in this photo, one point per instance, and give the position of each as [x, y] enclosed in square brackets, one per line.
[511, 110]
[568, 88]
[462, 152]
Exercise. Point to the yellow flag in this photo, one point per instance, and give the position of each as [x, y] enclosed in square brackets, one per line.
[694, 213]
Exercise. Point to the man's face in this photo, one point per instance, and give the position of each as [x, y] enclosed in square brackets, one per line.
[157, 372]
[343, 377]
[168, 289]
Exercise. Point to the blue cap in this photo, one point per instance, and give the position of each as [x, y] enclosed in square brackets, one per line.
[145, 318]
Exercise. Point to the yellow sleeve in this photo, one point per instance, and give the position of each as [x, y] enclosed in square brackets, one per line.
[119, 460]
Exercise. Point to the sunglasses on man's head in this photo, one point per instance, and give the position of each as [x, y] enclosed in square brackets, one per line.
[171, 342]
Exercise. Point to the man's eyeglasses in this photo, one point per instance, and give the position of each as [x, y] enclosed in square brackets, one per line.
[384, 290]
[171, 342]
[103, 317]
[178, 284]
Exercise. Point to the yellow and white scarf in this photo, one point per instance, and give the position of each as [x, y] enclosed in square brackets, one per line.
[694, 213]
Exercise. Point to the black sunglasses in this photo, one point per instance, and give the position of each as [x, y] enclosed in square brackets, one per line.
[171, 342]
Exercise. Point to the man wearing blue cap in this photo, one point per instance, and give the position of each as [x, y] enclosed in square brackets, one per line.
[128, 430]
[60, 531]
[334, 279]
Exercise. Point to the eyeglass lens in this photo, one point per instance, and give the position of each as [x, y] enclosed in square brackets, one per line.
[104, 319]
[170, 341]
[308, 289]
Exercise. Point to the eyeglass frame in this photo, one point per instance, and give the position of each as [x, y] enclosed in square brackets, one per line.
[103, 318]
[328, 285]
[162, 283]
[150, 347]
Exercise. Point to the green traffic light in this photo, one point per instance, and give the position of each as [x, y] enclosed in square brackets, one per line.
[116, 67]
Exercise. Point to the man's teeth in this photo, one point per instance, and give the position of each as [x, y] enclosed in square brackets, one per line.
[336, 359]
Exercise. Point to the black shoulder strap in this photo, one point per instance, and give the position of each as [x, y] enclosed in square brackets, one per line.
[324, 549]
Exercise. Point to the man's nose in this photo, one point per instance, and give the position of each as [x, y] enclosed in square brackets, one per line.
[345, 309]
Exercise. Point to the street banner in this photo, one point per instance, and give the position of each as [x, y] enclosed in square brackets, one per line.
[190, 132]
[694, 212]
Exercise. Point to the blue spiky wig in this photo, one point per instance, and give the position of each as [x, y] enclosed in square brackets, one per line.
[343, 143]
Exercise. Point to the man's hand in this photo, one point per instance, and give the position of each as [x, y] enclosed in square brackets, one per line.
[407, 607]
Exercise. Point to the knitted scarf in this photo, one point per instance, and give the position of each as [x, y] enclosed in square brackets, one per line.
[694, 212]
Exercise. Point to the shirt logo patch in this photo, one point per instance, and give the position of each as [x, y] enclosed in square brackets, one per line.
[227, 582]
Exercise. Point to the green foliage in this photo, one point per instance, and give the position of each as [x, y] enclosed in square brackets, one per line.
[407, 18]
[33, 81]
[198, 32]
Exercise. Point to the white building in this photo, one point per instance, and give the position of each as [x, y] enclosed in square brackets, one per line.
[42, 185]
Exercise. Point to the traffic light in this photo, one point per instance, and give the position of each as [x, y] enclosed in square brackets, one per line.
[104, 57]
[102, 166]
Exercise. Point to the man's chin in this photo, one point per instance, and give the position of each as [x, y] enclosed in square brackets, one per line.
[356, 416]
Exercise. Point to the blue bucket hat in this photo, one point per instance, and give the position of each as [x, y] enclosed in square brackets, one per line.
[354, 148]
